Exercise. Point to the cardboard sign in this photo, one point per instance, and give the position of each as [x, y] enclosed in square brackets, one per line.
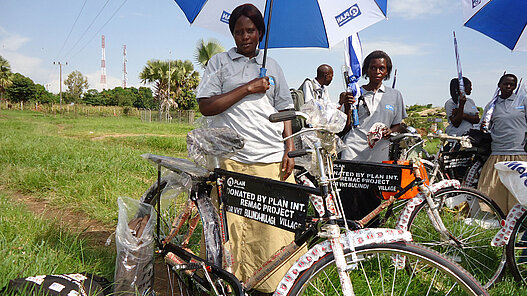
[368, 175]
[272, 202]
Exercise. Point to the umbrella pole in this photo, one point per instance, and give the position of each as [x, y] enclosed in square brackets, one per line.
[263, 70]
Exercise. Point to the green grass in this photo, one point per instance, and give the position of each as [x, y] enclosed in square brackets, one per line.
[57, 159]
[32, 246]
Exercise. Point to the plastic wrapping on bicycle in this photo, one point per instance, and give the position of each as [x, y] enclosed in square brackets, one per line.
[214, 141]
[178, 165]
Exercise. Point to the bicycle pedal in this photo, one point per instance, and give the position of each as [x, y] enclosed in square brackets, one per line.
[189, 266]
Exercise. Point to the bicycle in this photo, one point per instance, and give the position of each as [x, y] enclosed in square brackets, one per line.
[444, 216]
[464, 165]
[366, 261]
[513, 233]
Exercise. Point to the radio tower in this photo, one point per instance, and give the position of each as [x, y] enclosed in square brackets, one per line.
[103, 65]
[124, 66]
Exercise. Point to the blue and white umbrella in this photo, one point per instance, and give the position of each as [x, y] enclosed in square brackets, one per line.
[294, 23]
[502, 20]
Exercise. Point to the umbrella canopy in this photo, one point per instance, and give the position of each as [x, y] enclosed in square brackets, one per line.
[502, 20]
[294, 23]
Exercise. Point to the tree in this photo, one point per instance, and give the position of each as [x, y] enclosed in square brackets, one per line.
[205, 51]
[43, 96]
[6, 77]
[183, 82]
[76, 84]
[22, 89]
[156, 72]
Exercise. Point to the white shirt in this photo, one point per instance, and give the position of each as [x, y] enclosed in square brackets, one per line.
[249, 116]
[319, 92]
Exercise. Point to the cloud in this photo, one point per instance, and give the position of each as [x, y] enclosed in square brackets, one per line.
[395, 48]
[411, 9]
[10, 46]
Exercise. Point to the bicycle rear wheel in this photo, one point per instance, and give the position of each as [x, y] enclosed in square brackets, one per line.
[425, 272]
[517, 250]
[166, 280]
[472, 219]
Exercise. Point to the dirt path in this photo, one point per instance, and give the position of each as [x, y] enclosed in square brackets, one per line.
[92, 230]
[127, 135]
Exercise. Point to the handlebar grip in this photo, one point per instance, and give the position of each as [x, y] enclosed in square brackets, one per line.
[397, 138]
[282, 116]
[297, 153]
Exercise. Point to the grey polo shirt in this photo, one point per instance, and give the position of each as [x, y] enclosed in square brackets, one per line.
[249, 117]
[313, 90]
[386, 106]
[469, 108]
[508, 126]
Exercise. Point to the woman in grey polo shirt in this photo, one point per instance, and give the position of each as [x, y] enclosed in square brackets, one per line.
[459, 122]
[231, 95]
[506, 119]
[378, 103]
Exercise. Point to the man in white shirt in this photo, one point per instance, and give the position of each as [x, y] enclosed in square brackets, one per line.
[317, 89]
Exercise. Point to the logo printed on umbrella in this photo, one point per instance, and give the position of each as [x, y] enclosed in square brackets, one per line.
[225, 16]
[347, 15]
[475, 3]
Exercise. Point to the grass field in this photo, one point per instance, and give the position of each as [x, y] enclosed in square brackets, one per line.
[80, 164]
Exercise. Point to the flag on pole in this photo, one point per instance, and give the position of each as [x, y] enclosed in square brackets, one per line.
[352, 60]
[459, 71]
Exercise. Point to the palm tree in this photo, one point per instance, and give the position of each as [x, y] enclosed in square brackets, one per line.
[180, 75]
[205, 51]
[6, 77]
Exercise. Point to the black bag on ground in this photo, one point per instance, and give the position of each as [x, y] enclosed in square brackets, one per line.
[82, 284]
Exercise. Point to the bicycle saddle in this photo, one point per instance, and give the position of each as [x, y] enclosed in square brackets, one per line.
[178, 165]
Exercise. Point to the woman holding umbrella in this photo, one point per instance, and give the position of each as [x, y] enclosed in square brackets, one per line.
[461, 111]
[230, 96]
[506, 118]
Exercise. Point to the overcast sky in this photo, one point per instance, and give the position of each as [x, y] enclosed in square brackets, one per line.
[417, 36]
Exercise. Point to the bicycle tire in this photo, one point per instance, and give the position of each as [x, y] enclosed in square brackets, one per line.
[472, 228]
[471, 177]
[517, 250]
[425, 271]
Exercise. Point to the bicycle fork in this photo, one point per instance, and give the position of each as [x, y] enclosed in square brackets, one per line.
[332, 233]
[433, 210]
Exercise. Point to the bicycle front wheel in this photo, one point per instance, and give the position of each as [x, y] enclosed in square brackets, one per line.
[517, 250]
[472, 219]
[380, 272]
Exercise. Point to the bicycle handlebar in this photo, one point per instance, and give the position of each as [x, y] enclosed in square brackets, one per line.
[463, 140]
[283, 116]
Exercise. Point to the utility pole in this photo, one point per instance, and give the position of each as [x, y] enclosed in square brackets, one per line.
[60, 85]
[125, 73]
[169, 73]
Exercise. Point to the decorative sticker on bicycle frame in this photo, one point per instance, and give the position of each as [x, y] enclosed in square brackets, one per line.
[368, 175]
[280, 204]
